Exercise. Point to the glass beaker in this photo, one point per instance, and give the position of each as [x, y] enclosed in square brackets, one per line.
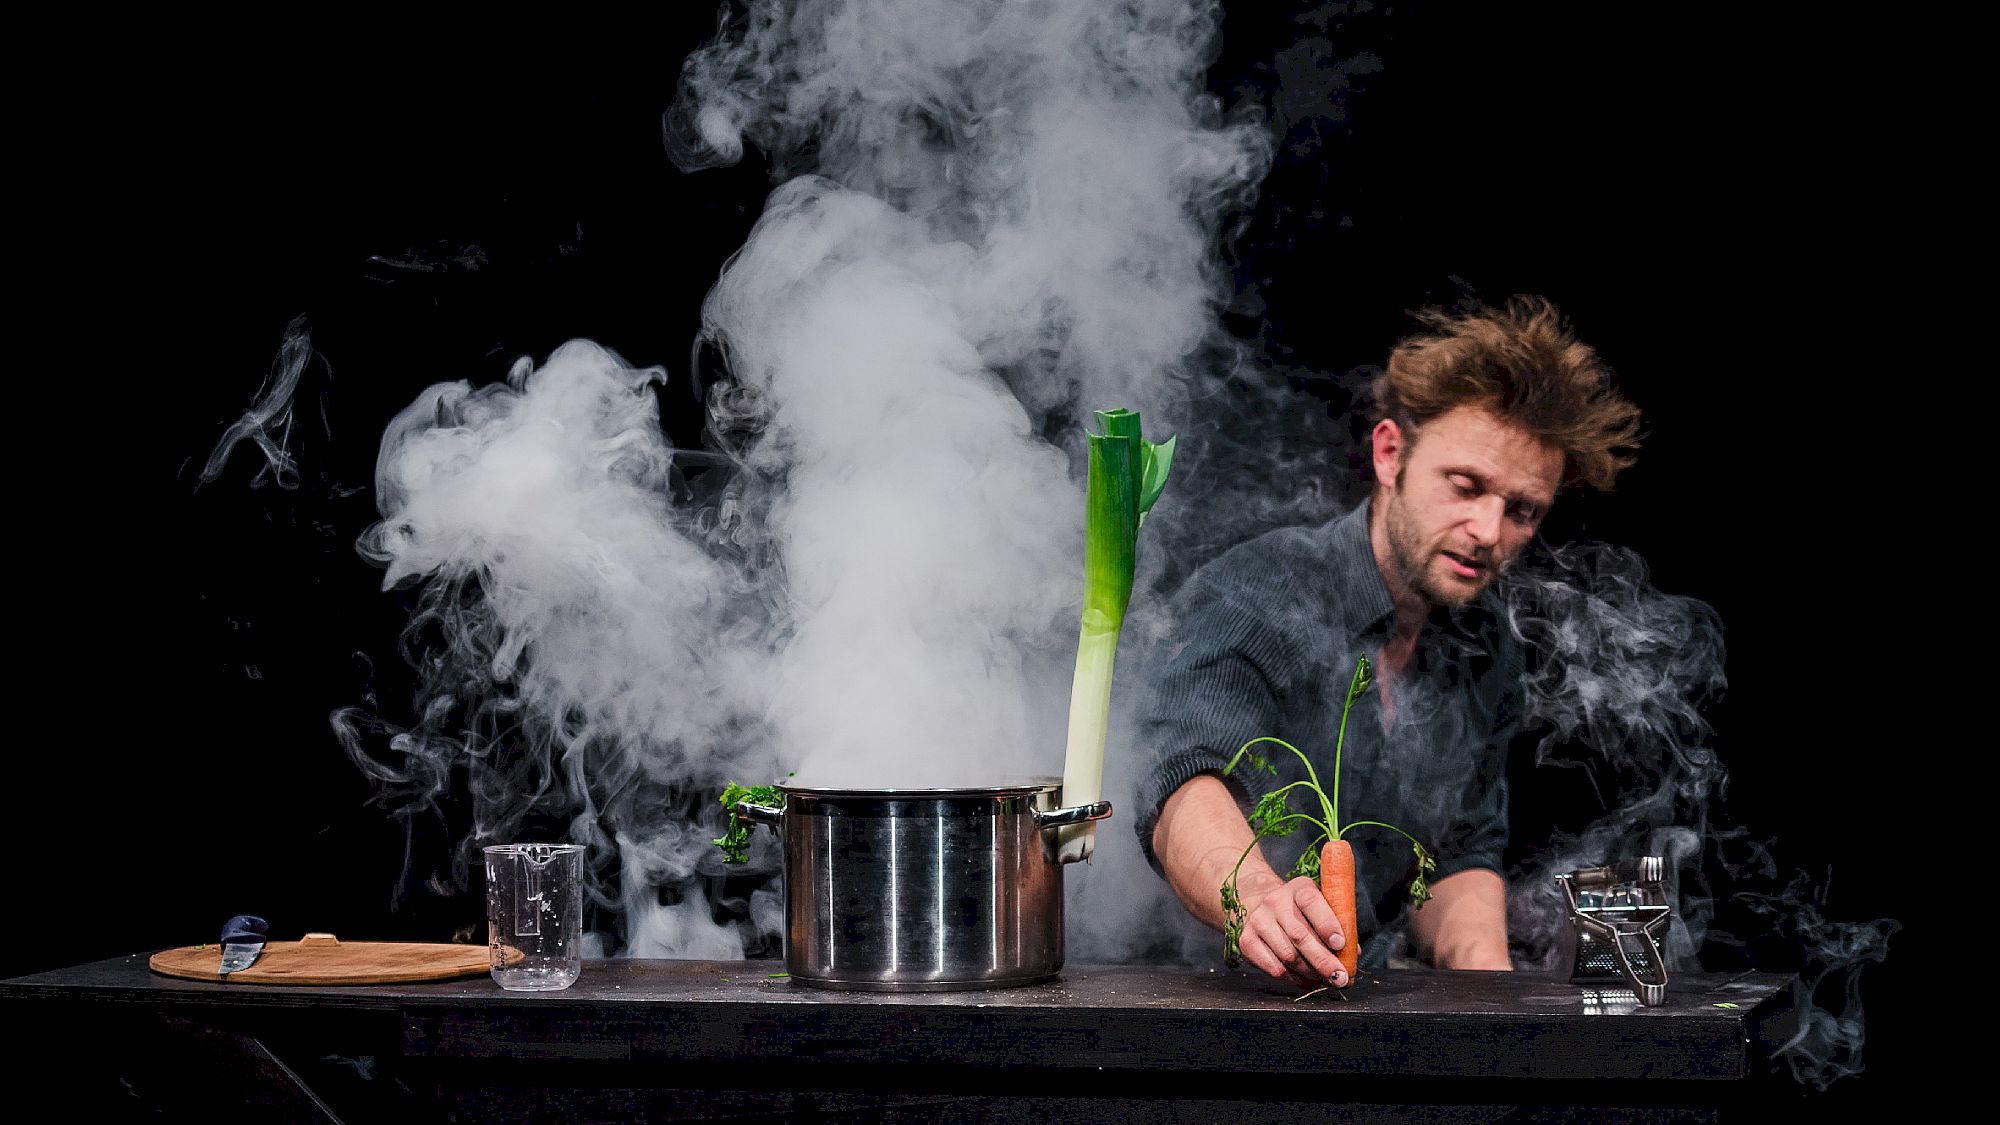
[534, 915]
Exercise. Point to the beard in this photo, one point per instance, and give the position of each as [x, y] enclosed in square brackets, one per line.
[1417, 564]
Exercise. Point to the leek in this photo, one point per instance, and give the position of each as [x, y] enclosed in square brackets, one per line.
[1127, 474]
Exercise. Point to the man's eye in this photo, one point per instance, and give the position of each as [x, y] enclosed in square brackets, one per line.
[1464, 486]
[1525, 514]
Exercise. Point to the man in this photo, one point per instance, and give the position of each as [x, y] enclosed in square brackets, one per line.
[1481, 420]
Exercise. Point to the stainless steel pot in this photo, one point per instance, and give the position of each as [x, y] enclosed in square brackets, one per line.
[922, 890]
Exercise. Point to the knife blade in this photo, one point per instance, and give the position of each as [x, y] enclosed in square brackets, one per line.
[242, 941]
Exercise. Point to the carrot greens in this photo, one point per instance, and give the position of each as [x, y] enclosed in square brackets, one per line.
[1272, 815]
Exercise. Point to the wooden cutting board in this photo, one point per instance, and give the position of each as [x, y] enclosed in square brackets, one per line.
[325, 959]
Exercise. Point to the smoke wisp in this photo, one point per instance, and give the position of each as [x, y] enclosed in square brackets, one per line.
[1620, 673]
[267, 422]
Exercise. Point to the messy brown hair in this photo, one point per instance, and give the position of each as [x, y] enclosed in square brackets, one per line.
[1524, 364]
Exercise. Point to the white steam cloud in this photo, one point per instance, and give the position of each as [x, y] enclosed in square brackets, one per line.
[992, 219]
[582, 656]
[923, 560]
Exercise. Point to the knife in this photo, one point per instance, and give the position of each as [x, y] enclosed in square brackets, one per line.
[242, 941]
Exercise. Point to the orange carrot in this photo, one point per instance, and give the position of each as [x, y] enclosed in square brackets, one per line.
[1273, 817]
[1336, 883]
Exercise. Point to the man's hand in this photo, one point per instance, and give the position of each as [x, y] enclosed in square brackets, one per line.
[1292, 934]
[1289, 931]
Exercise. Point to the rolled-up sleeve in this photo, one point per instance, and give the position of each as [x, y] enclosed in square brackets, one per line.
[1478, 837]
[1220, 686]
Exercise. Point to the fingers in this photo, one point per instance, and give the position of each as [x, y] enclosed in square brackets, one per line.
[1292, 934]
[1314, 931]
[1259, 954]
[1318, 915]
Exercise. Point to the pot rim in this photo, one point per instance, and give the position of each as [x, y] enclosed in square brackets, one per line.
[1011, 789]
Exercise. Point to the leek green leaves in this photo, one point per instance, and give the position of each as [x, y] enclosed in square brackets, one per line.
[1127, 475]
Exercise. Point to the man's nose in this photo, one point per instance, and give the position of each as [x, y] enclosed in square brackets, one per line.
[1484, 525]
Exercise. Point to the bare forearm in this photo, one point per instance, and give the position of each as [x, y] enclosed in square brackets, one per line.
[1199, 836]
[1464, 925]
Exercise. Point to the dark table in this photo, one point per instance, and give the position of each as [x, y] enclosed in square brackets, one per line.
[661, 1040]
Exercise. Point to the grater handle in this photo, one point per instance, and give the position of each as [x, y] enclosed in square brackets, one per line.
[1649, 974]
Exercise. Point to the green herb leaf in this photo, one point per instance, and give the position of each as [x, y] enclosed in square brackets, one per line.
[1427, 865]
[1269, 818]
[1308, 864]
[735, 843]
[1233, 916]
[1261, 763]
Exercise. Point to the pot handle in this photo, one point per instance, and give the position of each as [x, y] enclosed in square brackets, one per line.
[759, 814]
[1075, 814]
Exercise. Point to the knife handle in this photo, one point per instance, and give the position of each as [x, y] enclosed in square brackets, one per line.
[245, 927]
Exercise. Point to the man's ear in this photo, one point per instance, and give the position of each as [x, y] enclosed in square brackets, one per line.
[1389, 449]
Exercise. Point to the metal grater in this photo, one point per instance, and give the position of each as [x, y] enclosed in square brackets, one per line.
[1618, 920]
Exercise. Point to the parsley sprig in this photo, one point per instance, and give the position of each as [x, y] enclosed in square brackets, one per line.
[735, 843]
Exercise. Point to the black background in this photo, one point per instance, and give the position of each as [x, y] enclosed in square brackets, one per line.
[1695, 190]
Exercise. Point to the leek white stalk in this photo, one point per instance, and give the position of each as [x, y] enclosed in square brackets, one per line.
[1127, 474]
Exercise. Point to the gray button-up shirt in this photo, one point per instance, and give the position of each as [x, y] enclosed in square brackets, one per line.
[1264, 642]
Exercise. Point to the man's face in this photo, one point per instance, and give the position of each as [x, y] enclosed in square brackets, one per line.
[1457, 502]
